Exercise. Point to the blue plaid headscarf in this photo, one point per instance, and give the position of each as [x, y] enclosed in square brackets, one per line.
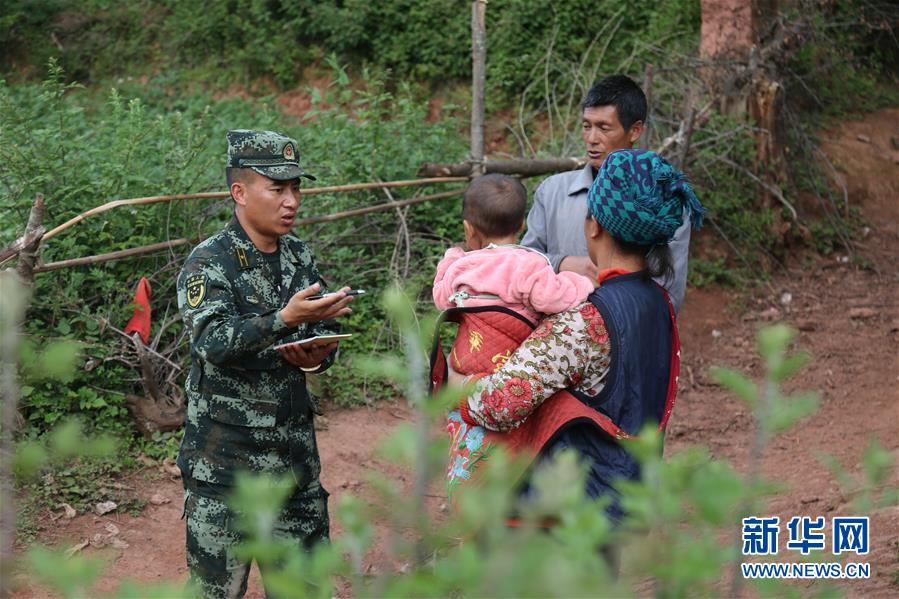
[638, 197]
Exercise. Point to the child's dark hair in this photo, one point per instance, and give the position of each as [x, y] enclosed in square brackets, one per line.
[623, 93]
[495, 205]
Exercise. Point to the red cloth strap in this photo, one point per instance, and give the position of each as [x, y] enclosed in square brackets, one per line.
[674, 370]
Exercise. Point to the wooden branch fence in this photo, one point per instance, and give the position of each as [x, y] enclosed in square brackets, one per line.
[224, 194]
[429, 174]
[461, 174]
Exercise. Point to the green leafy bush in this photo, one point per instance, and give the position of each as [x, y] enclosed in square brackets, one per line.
[248, 39]
[126, 145]
[852, 62]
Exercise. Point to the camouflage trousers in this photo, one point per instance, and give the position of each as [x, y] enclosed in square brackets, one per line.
[215, 569]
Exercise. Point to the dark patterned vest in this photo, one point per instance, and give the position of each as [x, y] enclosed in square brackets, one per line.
[640, 385]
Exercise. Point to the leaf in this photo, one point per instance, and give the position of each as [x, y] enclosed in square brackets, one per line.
[58, 360]
[717, 491]
[389, 367]
[837, 470]
[773, 340]
[790, 366]
[66, 439]
[63, 327]
[736, 383]
[30, 458]
[787, 411]
[76, 548]
[877, 463]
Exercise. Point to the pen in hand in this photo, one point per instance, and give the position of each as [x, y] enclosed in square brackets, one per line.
[324, 295]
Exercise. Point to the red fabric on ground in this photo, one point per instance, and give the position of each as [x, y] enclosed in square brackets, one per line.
[140, 321]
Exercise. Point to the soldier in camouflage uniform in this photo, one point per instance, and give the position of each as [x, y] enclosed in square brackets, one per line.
[241, 292]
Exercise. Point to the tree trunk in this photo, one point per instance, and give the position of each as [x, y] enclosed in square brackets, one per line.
[733, 37]
[34, 232]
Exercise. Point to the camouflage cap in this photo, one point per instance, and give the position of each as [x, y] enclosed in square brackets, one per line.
[268, 153]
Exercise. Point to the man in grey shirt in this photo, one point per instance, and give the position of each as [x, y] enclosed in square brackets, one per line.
[613, 115]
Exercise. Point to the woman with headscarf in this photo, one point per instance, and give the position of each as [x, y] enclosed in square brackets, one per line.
[618, 352]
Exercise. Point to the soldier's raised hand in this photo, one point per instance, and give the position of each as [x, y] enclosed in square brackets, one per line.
[299, 309]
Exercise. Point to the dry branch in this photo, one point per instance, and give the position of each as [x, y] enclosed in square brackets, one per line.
[156, 412]
[20, 244]
[146, 249]
[378, 207]
[678, 138]
[131, 202]
[769, 187]
[522, 168]
[689, 123]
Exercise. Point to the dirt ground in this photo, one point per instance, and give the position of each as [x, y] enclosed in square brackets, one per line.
[848, 318]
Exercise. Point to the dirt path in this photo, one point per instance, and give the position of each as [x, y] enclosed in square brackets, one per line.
[848, 319]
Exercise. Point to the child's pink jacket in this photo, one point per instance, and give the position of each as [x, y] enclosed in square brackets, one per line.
[513, 276]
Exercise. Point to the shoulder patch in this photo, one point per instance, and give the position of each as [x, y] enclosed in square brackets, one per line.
[196, 289]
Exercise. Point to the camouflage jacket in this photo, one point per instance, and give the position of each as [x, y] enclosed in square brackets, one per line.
[248, 408]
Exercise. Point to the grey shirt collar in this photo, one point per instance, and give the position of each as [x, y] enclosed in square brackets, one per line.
[583, 181]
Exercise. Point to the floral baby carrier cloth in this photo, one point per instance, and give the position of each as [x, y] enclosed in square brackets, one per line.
[486, 338]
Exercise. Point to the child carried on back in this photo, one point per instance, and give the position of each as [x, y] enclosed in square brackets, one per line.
[502, 290]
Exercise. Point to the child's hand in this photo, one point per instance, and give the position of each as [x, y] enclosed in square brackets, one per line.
[581, 265]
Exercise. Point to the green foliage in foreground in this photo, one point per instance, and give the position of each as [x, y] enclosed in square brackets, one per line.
[682, 531]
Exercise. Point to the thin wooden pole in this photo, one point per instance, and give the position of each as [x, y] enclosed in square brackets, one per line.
[224, 194]
[520, 168]
[478, 78]
[378, 207]
[131, 202]
[383, 184]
